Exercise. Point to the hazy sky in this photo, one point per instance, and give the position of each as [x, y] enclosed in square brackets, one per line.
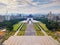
[29, 6]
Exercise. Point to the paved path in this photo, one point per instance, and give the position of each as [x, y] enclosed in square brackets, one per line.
[30, 40]
[30, 31]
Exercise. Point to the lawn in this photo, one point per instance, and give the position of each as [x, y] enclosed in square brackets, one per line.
[22, 31]
[38, 31]
[50, 33]
[16, 26]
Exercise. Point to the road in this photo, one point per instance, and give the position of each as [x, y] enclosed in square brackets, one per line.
[30, 31]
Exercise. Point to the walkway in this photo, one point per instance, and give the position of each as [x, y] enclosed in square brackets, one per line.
[30, 31]
[30, 40]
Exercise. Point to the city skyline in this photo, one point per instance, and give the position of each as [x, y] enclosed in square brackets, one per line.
[29, 6]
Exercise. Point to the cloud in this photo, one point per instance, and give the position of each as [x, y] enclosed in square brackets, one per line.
[29, 6]
[2, 5]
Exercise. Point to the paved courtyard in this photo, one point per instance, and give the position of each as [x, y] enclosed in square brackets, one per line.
[30, 40]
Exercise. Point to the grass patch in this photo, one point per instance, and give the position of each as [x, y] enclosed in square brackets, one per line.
[16, 26]
[22, 31]
[38, 31]
[50, 33]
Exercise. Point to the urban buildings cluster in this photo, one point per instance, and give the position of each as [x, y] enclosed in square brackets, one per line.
[53, 17]
[49, 16]
[11, 17]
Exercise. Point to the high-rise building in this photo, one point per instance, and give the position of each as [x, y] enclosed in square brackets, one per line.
[50, 17]
[53, 17]
[2, 18]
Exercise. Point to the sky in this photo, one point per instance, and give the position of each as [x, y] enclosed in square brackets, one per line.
[29, 6]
